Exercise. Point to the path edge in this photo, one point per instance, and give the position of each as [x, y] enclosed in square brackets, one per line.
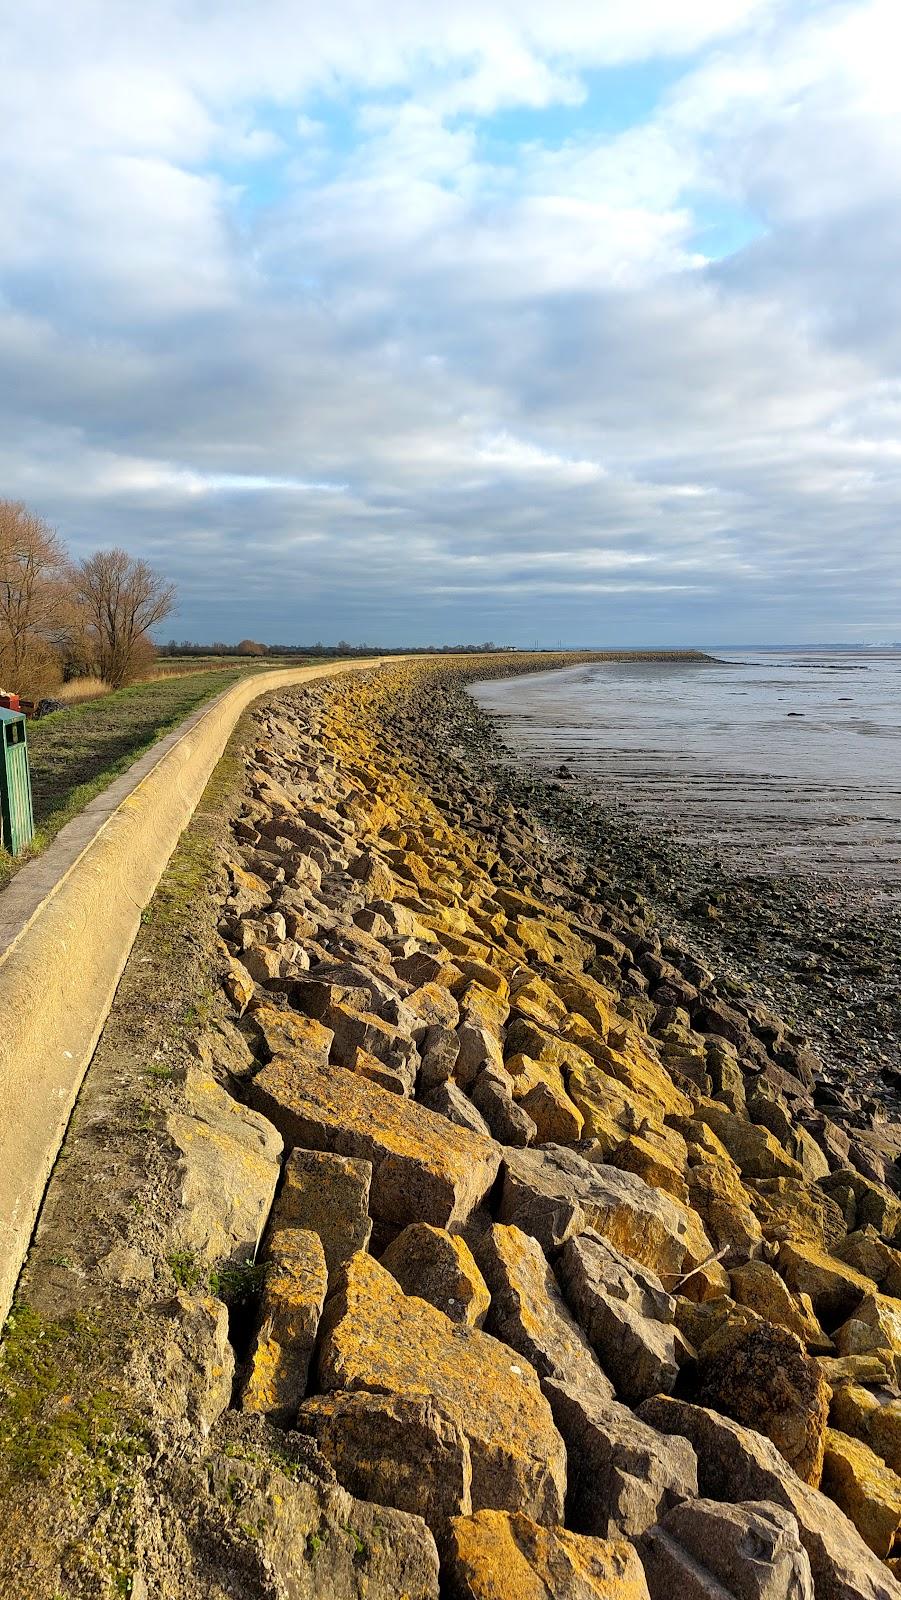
[66, 932]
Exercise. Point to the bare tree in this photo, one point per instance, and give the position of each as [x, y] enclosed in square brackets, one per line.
[34, 582]
[122, 600]
[250, 647]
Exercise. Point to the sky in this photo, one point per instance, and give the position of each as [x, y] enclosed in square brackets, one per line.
[542, 323]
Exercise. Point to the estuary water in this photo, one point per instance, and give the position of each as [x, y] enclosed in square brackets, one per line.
[788, 760]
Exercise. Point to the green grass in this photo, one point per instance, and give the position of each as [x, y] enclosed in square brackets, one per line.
[77, 753]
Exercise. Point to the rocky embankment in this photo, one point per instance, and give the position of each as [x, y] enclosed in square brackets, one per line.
[547, 1276]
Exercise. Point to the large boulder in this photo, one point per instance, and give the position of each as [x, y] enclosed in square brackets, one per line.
[424, 1168]
[737, 1464]
[552, 1192]
[398, 1450]
[867, 1490]
[375, 1338]
[835, 1290]
[228, 1167]
[290, 1308]
[263, 1511]
[439, 1267]
[528, 1312]
[623, 1475]
[627, 1316]
[328, 1194]
[758, 1285]
[705, 1551]
[495, 1556]
[762, 1376]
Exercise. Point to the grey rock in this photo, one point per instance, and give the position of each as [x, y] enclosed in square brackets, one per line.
[477, 1048]
[199, 1360]
[623, 1476]
[228, 1169]
[528, 1312]
[398, 1450]
[263, 1516]
[509, 1123]
[439, 1057]
[328, 1194]
[627, 1317]
[737, 1464]
[451, 1102]
[707, 1551]
[590, 1260]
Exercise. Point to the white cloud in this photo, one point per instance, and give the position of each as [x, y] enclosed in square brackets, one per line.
[277, 309]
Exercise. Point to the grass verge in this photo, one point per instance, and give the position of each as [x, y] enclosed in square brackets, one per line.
[75, 754]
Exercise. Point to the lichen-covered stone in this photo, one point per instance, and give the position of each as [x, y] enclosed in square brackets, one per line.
[874, 1419]
[328, 1194]
[439, 1267]
[263, 1511]
[719, 1198]
[287, 1032]
[874, 1329]
[758, 1285]
[790, 1211]
[290, 1308]
[238, 984]
[424, 1168]
[835, 1290]
[398, 1450]
[756, 1152]
[762, 1377]
[867, 1490]
[376, 1338]
[650, 1163]
[554, 1192]
[498, 1556]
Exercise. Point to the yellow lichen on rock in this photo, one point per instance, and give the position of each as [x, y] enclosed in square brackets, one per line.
[495, 1556]
[865, 1488]
[376, 1338]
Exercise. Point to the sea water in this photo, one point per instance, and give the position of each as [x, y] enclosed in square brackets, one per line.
[779, 760]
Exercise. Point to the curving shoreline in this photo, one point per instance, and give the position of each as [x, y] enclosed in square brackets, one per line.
[824, 951]
[420, 1214]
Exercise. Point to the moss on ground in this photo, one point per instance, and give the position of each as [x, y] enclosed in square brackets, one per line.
[44, 1420]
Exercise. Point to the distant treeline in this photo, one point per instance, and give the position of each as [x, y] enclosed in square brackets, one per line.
[252, 647]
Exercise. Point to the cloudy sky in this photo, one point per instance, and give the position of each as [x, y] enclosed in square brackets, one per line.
[533, 321]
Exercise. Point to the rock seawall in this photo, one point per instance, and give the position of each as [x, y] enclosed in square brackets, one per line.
[546, 1276]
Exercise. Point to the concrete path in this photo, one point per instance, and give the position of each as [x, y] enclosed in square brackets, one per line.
[67, 924]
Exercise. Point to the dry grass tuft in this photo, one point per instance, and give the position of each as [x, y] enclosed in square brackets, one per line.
[78, 689]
